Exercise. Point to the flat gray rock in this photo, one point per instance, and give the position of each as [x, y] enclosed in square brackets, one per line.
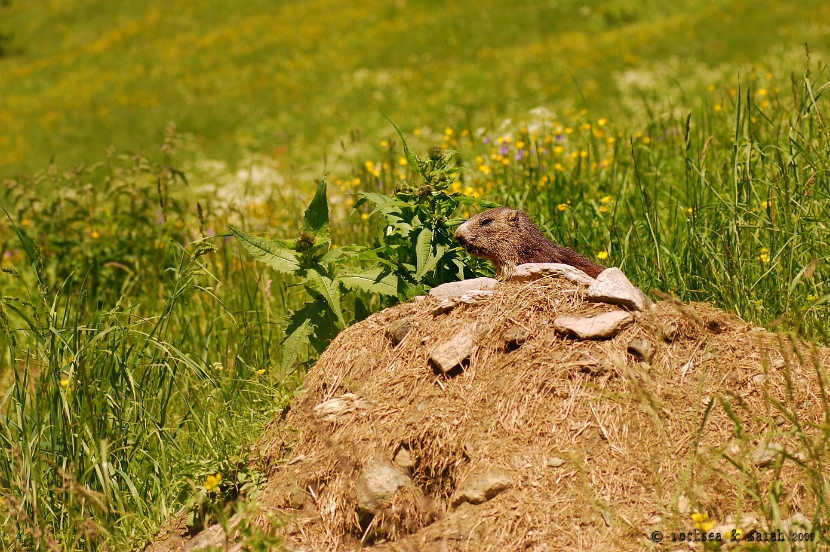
[377, 484]
[457, 289]
[480, 488]
[398, 329]
[641, 348]
[330, 410]
[533, 271]
[456, 350]
[603, 326]
[612, 286]
[766, 453]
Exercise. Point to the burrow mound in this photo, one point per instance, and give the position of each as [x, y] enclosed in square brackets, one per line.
[540, 440]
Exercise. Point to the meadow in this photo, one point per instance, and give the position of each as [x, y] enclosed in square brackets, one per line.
[141, 346]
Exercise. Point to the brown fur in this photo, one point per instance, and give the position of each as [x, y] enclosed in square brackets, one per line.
[508, 237]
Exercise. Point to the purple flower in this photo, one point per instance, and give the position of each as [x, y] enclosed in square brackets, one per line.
[504, 149]
[210, 232]
[520, 154]
[559, 137]
[7, 254]
[160, 220]
[487, 140]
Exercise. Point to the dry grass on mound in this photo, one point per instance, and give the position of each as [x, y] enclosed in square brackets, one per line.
[601, 449]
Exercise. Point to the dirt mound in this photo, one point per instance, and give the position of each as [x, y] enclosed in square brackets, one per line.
[543, 441]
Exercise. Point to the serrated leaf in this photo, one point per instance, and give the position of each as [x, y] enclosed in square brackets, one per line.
[299, 332]
[414, 160]
[347, 251]
[269, 252]
[329, 290]
[316, 217]
[423, 251]
[431, 263]
[374, 280]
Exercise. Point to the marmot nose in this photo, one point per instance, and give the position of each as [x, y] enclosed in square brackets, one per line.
[459, 234]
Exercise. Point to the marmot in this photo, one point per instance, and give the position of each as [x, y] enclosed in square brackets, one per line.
[507, 237]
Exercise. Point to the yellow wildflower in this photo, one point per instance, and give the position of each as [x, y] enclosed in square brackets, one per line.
[25, 222]
[766, 204]
[403, 161]
[520, 145]
[710, 87]
[569, 130]
[448, 131]
[562, 206]
[718, 108]
[417, 131]
[765, 104]
[603, 209]
[586, 126]
[602, 255]
[356, 181]
[610, 140]
[95, 234]
[606, 199]
[764, 256]
[364, 216]
[485, 169]
[369, 166]
[559, 167]
[689, 210]
[465, 132]
[558, 149]
[383, 143]
[350, 201]
[602, 121]
[64, 383]
[455, 186]
[762, 92]
[505, 161]
[702, 521]
[213, 481]
[646, 140]
[583, 154]
[260, 371]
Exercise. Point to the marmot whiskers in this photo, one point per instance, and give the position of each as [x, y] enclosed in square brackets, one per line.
[508, 238]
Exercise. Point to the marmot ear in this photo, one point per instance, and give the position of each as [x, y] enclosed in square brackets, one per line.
[513, 217]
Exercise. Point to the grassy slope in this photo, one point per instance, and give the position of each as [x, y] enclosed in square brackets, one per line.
[277, 75]
[735, 224]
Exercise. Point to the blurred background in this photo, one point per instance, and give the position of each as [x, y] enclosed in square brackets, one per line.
[292, 79]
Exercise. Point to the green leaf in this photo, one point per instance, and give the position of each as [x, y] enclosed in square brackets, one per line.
[413, 159]
[431, 263]
[374, 280]
[329, 290]
[298, 333]
[423, 252]
[316, 217]
[361, 311]
[345, 252]
[269, 252]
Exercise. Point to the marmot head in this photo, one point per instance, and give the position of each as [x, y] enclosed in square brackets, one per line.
[499, 235]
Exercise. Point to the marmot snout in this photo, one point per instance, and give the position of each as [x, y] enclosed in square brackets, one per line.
[508, 237]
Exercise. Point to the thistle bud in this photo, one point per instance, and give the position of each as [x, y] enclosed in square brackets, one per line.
[305, 242]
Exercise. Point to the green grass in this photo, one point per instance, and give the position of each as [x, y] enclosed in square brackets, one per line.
[135, 362]
[292, 79]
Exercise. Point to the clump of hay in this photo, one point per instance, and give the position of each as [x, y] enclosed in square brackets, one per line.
[595, 447]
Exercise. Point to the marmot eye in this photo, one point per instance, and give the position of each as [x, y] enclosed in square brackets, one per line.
[485, 222]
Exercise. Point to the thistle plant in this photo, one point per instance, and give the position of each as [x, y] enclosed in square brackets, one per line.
[418, 239]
